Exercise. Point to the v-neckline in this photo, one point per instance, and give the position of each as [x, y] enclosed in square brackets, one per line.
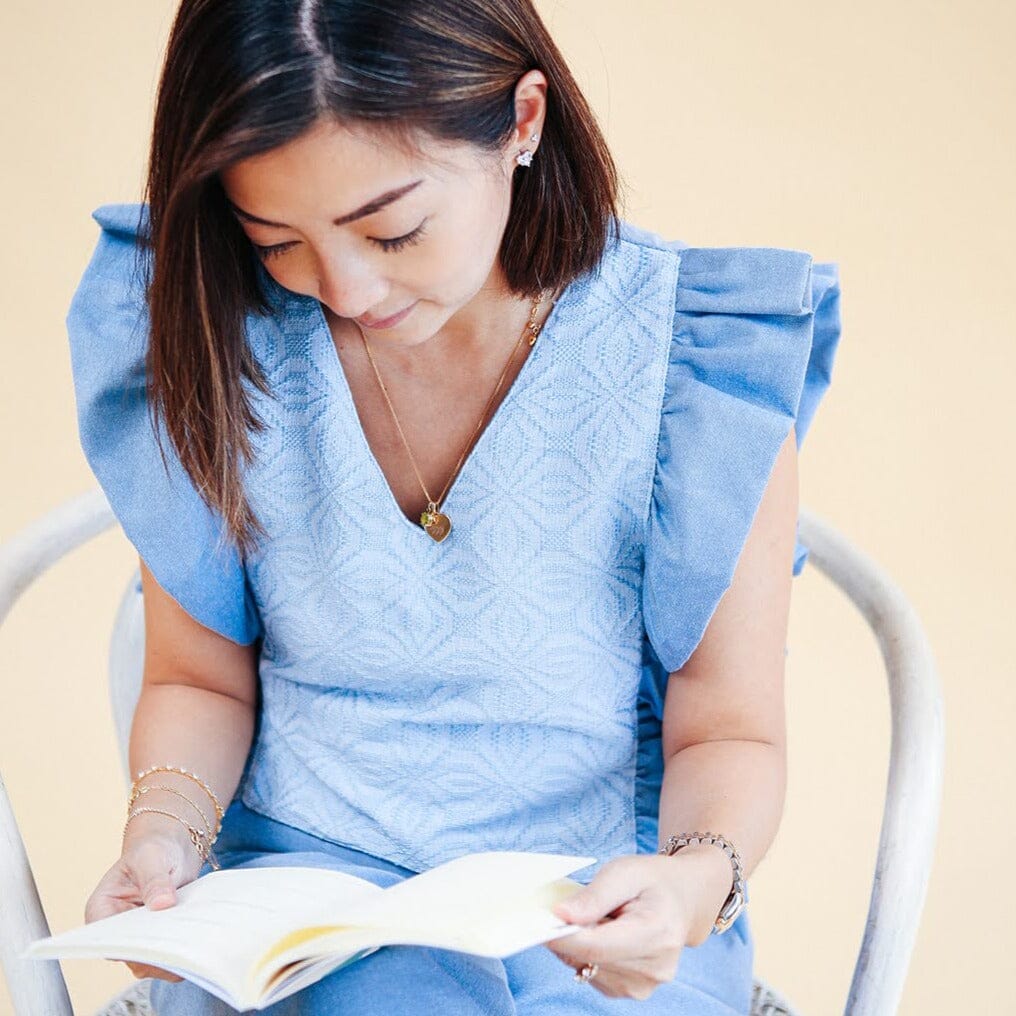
[322, 333]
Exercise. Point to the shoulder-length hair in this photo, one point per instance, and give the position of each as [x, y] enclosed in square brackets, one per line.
[242, 77]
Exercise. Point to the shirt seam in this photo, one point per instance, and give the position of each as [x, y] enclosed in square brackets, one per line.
[671, 310]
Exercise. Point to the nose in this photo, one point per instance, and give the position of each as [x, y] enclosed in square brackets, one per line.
[349, 290]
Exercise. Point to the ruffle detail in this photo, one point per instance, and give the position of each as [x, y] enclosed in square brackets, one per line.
[126, 220]
[754, 339]
[161, 512]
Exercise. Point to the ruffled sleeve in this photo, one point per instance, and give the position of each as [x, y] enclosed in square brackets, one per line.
[754, 338]
[161, 512]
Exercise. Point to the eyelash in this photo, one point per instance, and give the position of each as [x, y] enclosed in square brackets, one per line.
[389, 246]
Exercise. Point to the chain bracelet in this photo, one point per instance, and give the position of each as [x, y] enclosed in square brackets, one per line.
[219, 812]
[139, 790]
[197, 837]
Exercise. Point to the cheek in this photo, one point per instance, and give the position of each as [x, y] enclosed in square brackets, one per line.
[467, 249]
[468, 272]
[449, 267]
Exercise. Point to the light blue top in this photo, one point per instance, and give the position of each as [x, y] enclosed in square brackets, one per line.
[502, 689]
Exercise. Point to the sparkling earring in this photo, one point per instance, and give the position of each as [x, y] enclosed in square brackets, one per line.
[525, 157]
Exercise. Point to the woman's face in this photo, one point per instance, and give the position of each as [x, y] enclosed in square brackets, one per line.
[373, 232]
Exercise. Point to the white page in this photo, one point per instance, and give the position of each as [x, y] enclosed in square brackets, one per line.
[460, 905]
[312, 971]
[464, 891]
[221, 923]
[489, 903]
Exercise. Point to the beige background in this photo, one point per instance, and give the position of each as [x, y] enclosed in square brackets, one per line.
[877, 135]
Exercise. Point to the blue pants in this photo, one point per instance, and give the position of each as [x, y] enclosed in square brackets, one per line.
[713, 979]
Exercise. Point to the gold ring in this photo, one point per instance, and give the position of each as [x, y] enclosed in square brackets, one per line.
[587, 973]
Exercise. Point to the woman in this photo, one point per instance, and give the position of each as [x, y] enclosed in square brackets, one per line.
[475, 524]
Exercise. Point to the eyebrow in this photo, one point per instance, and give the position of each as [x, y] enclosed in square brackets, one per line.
[372, 206]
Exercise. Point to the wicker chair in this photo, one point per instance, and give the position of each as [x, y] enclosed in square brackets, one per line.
[910, 814]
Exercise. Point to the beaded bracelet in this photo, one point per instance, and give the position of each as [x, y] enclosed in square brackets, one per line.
[192, 776]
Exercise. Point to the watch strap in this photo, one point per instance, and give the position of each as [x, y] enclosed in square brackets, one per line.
[737, 898]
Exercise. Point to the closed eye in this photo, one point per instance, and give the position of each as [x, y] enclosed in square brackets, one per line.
[386, 244]
[269, 252]
[398, 242]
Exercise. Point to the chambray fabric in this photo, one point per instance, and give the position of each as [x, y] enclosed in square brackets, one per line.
[713, 979]
[502, 689]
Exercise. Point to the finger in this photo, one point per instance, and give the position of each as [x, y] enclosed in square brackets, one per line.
[617, 882]
[102, 907]
[156, 889]
[635, 935]
[110, 896]
[619, 983]
[604, 976]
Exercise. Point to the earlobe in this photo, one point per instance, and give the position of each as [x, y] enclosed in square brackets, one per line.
[525, 156]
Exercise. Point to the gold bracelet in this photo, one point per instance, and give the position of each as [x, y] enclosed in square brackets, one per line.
[192, 776]
[139, 790]
[196, 836]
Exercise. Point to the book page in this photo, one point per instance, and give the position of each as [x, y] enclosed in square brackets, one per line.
[221, 924]
[494, 903]
[500, 931]
[248, 934]
[462, 892]
[288, 981]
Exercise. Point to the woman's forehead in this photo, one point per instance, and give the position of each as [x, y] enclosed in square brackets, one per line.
[353, 168]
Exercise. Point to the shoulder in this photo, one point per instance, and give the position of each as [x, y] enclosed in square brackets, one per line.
[733, 279]
[113, 284]
[754, 332]
[757, 322]
[128, 220]
[161, 513]
[124, 234]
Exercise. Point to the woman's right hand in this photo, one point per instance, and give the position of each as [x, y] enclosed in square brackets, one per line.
[156, 860]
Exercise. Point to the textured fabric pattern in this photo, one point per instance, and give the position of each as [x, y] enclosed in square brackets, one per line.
[502, 689]
[482, 690]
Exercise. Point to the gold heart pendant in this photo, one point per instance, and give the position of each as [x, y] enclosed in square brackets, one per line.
[437, 525]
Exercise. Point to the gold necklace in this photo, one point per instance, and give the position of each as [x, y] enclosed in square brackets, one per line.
[436, 523]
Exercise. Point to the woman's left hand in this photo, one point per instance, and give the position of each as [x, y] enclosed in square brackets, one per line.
[642, 909]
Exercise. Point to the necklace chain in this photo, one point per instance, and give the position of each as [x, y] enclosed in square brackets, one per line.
[530, 329]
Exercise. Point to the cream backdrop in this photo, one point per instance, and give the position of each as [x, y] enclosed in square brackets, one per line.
[878, 135]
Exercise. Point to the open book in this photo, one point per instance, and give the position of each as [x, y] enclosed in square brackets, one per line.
[252, 936]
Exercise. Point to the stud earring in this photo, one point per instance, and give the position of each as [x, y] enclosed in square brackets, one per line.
[525, 157]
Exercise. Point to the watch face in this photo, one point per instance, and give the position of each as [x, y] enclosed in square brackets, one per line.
[730, 911]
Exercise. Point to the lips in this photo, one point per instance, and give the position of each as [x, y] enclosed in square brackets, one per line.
[387, 322]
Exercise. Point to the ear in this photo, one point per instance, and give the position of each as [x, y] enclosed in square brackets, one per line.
[530, 112]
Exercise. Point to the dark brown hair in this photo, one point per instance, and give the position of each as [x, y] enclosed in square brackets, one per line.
[242, 77]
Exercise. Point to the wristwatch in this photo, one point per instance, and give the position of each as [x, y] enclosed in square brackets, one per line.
[737, 898]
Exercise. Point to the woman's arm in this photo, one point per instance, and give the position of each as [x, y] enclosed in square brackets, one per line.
[725, 769]
[196, 711]
[724, 730]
